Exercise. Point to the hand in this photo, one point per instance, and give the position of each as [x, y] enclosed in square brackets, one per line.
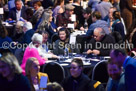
[82, 29]
[89, 51]
[96, 52]
[9, 19]
[54, 56]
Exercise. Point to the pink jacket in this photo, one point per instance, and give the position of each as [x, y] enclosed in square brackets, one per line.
[31, 52]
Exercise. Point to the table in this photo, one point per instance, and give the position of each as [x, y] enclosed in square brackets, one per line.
[88, 62]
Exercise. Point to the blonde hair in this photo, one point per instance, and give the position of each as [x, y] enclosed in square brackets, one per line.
[29, 64]
[11, 60]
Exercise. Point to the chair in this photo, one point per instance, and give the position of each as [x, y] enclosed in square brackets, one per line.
[54, 71]
[54, 37]
[100, 72]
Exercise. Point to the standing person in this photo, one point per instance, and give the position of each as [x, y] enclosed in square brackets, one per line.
[119, 57]
[32, 73]
[78, 81]
[17, 12]
[103, 7]
[127, 13]
[11, 78]
[117, 24]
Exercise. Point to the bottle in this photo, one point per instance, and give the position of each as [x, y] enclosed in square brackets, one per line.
[66, 52]
[85, 26]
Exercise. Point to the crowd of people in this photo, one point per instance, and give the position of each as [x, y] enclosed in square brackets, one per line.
[41, 30]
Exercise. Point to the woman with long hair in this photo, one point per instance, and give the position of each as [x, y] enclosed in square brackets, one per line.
[11, 78]
[32, 73]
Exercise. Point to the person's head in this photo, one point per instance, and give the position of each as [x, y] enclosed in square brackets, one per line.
[116, 15]
[45, 36]
[118, 56]
[116, 1]
[32, 66]
[87, 13]
[76, 67]
[9, 65]
[37, 5]
[114, 70]
[69, 9]
[111, 10]
[54, 87]
[96, 16]
[98, 34]
[3, 31]
[77, 1]
[63, 34]
[37, 39]
[59, 2]
[19, 27]
[29, 13]
[18, 4]
[45, 18]
[27, 26]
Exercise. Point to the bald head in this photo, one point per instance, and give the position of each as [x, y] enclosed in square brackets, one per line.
[98, 34]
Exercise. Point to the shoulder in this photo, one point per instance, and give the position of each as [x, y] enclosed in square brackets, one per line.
[42, 74]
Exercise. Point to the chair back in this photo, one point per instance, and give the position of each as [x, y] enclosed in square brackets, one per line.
[100, 72]
[54, 37]
[55, 72]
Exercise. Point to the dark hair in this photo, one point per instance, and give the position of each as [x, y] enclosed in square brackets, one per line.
[110, 61]
[65, 30]
[29, 11]
[3, 31]
[54, 86]
[117, 51]
[43, 32]
[57, 2]
[96, 14]
[37, 2]
[78, 61]
[18, 1]
[116, 15]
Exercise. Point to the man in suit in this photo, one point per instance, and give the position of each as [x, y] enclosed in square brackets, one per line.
[18, 11]
[119, 57]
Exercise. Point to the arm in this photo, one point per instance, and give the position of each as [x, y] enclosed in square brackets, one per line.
[130, 77]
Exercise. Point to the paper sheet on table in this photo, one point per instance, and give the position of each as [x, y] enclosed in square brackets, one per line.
[86, 63]
[72, 39]
[69, 60]
[1, 11]
[43, 82]
[93, 59]
[70, 26]
[73, 17]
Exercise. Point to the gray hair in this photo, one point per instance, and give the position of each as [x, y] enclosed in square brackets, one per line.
[37, 38]
[100, 30]
[11, 60]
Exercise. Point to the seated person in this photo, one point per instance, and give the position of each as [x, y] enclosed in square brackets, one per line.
[101, 43]
[61, 43]
[18, 11]
[28, 32]
[43, 50]
[18, 36]
[116, 80]
[32, 51]
[78, 81]
[54, 87]
[97, 22]
[45, 23]
[32, 73]
[64, 18]
[11, 78]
